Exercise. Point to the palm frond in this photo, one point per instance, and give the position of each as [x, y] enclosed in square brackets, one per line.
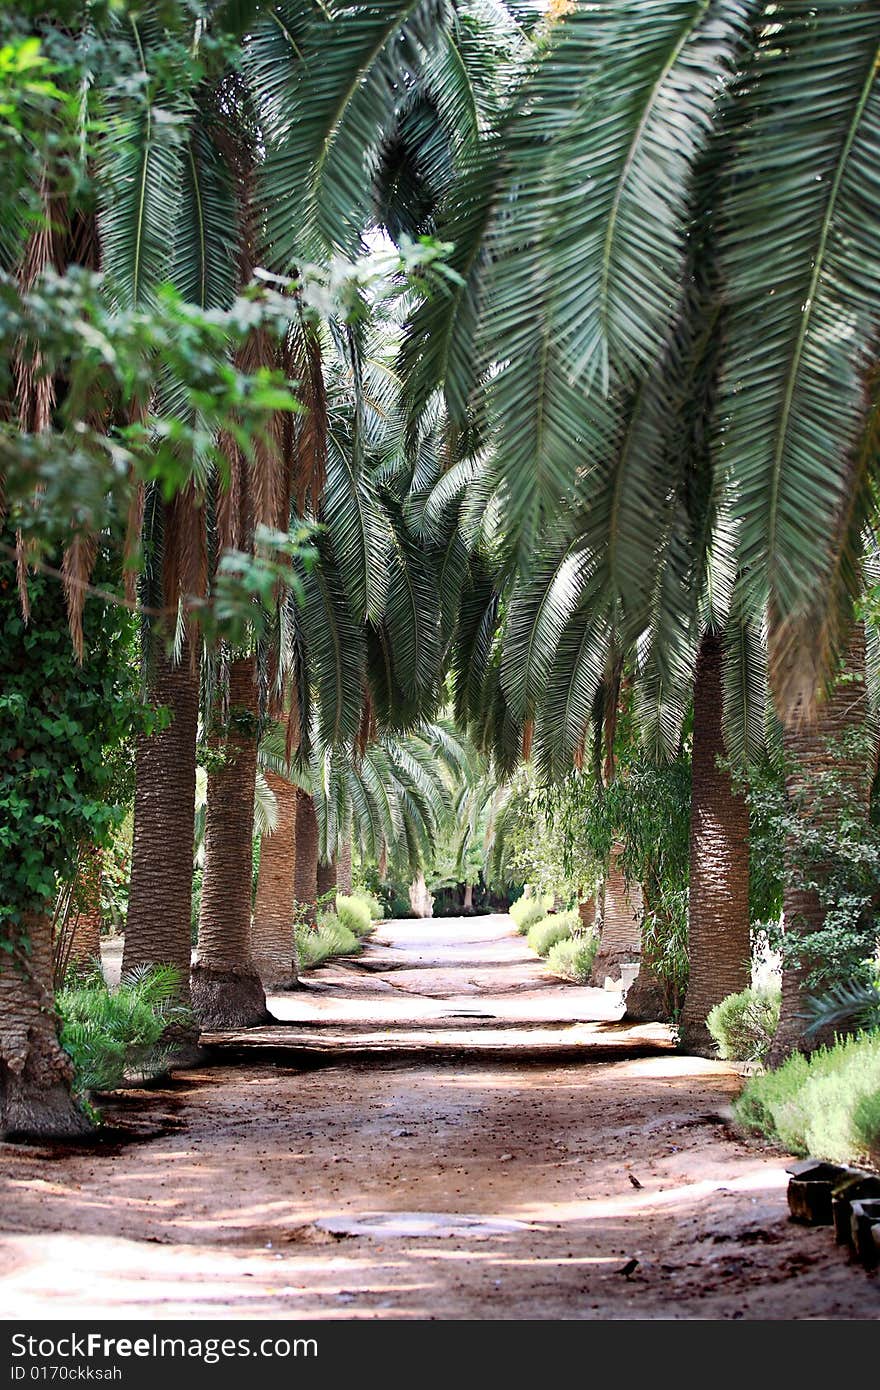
[802, 267]
[328, 119]
[140, 172]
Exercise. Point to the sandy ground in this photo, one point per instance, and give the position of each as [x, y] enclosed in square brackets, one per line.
[375, 1156]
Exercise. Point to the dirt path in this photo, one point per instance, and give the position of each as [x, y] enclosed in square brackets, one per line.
[383, 1154]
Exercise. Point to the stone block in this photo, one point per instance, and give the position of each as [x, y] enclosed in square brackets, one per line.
[810, 1191]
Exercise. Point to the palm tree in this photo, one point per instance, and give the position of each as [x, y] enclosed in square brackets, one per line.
[272, 940]
[168, 213]
[226, 988]
[585, 295]
[718, 915]
[830, 765]
[158, 924]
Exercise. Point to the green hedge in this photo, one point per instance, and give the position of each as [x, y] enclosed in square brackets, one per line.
[573, 958]
[826, 1107]
[527, 910]
[354, 913]
[546, 933]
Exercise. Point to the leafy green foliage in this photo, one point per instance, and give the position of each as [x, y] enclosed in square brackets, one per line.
[853, 1005]
[573, 958]
[59, 721]
[826, 1107]
[331, 937]
[371, 902]
[353, 912]
[529, 909]
[832, 849]
[114, 1035]
[743, 1024]
[802, 275]
[549, 930]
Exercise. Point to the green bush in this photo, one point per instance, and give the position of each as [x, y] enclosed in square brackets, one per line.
[330, 938]
[354, 913]
[527, 910]
[573, 957]
[743, 1024]
[114, 1034]
[827, 1106]
[371, 902]
[546, 933]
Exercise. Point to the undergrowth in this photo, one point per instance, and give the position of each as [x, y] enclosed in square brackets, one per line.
[114, 1035]
[573, 957]
[329, 938]
[825, 1107]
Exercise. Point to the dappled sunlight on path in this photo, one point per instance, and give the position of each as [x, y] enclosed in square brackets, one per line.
[327, 1181]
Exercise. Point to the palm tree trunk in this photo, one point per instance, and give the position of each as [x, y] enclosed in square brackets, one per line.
[35, 1072]
[813, 752]
[306, 877]
[420, 899]
[718, 899]
[345, 865]
[468, 904]
[85, 939]
[646, 999]
[587, 913]
[226, 988]
[620, 940]
[158, 929]
[327, 878]
[272, 938]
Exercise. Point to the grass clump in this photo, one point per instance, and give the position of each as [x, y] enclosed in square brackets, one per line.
[527, 910]
[354, 913]
[546, 933]
[742, 1025]
[826, 1107]
[573, 957]
[371, 902]
[329, 938]
[115, 1035]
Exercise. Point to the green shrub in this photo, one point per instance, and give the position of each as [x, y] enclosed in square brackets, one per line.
[743, 1024]
[371, 902]
[354, 913]
[827, 1107]
[114, 1034]
[866, 1126]
[330, 938]
[527, 910]
[764, 1094]
[544, 934]
[573, 958]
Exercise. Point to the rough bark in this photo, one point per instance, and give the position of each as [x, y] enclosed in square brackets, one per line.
[158, 928]
[306, 875]
[647, 999]
[272, 937]
[78, 944]
[35, 1072]
[327, 878]
[468, 904]
[587, 913]
[813, 751]
[345, 865]
[620, 939]
[226, 988]
[718, 900]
